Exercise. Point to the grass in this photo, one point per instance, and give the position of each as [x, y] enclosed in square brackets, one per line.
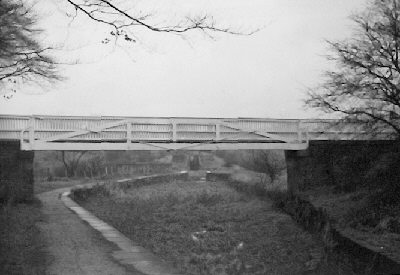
[355, 215]
[361, 209]
[22, 250]
[206, 228]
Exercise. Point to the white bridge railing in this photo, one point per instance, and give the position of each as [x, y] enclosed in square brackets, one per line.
[135, 133]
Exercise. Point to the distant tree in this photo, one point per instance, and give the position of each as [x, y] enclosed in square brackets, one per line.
[22, 57]
[116, 156]
[365, 86]
[71, 161]
[123, 19]
[93, 164]
[232, 158]
[267, 162]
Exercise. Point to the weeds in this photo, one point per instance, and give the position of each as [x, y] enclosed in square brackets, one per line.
[205, 228]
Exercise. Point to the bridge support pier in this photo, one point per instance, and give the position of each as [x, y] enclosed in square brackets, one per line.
[296, 175]
[16, 172]
[309, 167]
[342, 164]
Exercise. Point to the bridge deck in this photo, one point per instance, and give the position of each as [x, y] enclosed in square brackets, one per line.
[156, 133]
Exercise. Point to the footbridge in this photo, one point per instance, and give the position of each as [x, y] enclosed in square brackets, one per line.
[316, 151]
[41, 132]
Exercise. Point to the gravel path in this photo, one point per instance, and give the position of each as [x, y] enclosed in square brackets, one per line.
[74, 247]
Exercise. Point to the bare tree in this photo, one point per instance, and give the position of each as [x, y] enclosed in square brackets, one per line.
[266, 162]
[123, 20]
[365, 86]
[71, 161]
[22, 57]
[93, 164]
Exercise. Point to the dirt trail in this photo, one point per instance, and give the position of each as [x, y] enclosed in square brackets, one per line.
[74, 247]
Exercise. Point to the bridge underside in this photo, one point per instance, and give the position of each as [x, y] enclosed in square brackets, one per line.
[85, 146]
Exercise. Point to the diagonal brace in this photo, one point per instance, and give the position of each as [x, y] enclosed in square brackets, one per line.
[257, 132]
[83, 132]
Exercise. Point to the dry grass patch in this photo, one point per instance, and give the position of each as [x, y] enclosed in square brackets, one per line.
[207, 228]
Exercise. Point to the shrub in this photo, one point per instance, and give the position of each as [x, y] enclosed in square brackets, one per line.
[82, 194]
[268, 162]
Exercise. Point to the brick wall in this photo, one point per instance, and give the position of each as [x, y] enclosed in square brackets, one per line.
[16, 173]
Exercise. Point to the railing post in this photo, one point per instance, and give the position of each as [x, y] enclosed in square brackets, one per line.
[217, 131]
[299, 139]
[129, 133]
[174, 137]
[31, 131]
[307, 137]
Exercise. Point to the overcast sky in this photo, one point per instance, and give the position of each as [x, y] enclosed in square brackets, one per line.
[262, 75]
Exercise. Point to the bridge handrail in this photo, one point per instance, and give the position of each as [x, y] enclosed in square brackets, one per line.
[50, 129]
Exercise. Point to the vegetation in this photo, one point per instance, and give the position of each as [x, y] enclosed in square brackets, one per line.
[126, 20]
[24, 60]
[207, 228]
[382, 192]
[22, 57]
[44, 186]
[52, 165]
[233, 157]
[270, 164]
[365, 188]
[71, 161]
[364, 86]
[82, 163]
[22, 250]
